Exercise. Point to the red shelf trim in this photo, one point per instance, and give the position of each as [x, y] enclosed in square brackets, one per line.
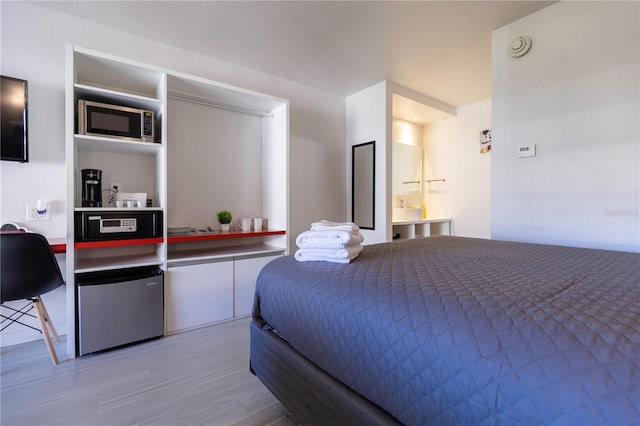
[117, 243]
[58, 244]
[222, 236]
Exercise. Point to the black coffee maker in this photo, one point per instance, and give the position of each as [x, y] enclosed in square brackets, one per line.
[91, 188]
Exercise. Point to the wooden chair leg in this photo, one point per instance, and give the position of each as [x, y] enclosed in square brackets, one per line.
[47, 318]
[37, 305]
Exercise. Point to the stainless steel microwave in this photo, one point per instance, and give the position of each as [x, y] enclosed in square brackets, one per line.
[100, 119]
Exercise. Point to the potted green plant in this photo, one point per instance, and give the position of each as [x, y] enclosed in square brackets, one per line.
[224, 217]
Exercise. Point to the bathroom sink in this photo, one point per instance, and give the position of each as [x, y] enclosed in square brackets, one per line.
[406, 215]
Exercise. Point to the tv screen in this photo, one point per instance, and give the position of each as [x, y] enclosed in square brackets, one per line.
[14, 144]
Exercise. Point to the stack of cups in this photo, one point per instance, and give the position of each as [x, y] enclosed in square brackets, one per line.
[258, 223]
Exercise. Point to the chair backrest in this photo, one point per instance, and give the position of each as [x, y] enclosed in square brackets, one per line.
[28, 267]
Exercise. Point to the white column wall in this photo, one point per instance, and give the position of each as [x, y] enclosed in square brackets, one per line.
[368, 115]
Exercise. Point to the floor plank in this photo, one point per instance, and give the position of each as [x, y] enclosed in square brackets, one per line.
[197, 377]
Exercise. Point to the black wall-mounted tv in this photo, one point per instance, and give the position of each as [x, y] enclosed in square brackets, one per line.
[14, 143]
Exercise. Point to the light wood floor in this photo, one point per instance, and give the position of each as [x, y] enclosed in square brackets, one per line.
[197, 377]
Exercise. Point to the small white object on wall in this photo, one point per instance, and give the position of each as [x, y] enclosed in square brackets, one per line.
[520, 46]
[527, 151]
[40, 211]
[485, 141]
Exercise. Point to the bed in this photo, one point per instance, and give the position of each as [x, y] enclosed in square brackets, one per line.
[452, 330]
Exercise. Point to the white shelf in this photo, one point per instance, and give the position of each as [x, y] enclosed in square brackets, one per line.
[203, 255]
[116, 262]
[221, 95]
[89, 92]
[417, 222]
[104, 144]
[98, 69]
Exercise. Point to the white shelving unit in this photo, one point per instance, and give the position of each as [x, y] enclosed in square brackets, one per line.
[95, 76]
[409, 230]
[149, 167]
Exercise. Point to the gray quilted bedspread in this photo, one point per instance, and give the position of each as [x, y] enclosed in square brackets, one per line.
[450, 330]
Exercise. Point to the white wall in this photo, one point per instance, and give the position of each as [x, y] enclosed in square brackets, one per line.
[200, 167]
[32, 47]
[452, 152]
[368, 115]
[576, 96]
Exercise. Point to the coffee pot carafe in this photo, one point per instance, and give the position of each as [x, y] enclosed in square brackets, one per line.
[91, 188]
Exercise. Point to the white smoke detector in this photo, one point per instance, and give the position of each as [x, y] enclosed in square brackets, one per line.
[520, 46]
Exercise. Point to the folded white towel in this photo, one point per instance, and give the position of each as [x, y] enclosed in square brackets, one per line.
[328, 239]
[344, 255]
[326, 225]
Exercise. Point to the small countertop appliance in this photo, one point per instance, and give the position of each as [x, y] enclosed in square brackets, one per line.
[91, 188]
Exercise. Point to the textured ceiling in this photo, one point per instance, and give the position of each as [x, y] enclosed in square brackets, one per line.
[439, 48]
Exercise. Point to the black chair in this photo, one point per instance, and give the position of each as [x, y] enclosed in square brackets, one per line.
[28, 269]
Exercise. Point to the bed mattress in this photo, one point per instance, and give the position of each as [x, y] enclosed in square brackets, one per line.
[451, 330]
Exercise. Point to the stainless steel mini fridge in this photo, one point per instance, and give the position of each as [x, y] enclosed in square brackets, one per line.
[119, 307]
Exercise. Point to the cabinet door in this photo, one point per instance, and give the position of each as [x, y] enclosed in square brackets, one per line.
[198, 295]
[246, 274]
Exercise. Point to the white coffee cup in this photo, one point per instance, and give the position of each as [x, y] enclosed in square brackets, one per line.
[140, 204]
[257, 224]
[131, 204]
[119, 204]
[245, 223]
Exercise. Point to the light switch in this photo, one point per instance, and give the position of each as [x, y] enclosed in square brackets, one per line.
[527, 151]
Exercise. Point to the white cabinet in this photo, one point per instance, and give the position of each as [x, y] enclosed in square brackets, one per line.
[197, 295]
[201, 294]
[245, 275]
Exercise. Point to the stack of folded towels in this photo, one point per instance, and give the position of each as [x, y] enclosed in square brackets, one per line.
[327, 241]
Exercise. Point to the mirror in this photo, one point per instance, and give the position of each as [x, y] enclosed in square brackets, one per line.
[407, 169]
[363, 172]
